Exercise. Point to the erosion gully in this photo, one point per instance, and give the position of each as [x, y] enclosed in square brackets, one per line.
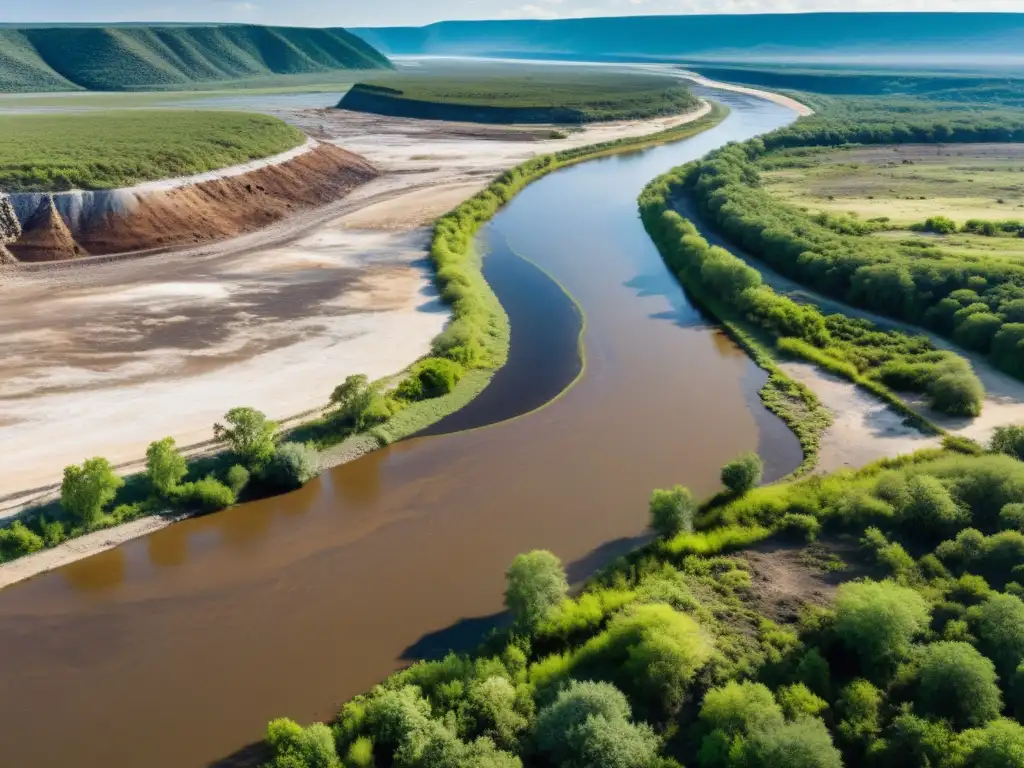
[174, 650]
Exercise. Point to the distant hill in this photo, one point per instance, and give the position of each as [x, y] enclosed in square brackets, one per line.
[135, 57]
[814, 36]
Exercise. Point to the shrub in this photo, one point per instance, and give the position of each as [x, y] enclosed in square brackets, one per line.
[914, 741]
[932, 510]
[737, 709]
[999, 625]
[492, 706]
[877, 621]
[588, 726]
[360, 753]
[804, 527]
[813, 670]
[797, 701]
[206, 495]
[1000, 744]
[957, 683]
[1009, 440]
[85, 490]
[964, 445]
[237, 479]
[536, 585]
[165, 466]
[805, 743]
[16, 540]
[249, 434]
[292, 466]
[430, 378]
[743, 474]
[297, 747]
[859, 708]
[672, 512]
[958, 392]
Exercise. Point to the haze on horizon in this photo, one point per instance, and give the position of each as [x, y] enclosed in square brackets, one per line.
[355, 13]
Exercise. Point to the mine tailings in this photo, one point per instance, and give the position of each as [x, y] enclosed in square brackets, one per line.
[193, 638]
[66, 225]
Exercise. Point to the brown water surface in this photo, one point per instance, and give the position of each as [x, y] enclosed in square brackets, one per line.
[174, 650]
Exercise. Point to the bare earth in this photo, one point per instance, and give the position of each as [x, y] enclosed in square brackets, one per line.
[102, 358]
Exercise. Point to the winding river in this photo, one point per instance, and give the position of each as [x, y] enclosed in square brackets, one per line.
[173, 651]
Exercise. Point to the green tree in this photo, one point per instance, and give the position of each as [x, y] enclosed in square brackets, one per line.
[957, 683]
[999, 626]
[931, 509]
[672, 512]
[493, 707]
[292, 466]
[1000, 744]
[805, 743]
[743, 473]
[877, 621]
[249, 434]
[1009, 440]
[588, 726]
[740, 708]
[85, 490]
[914, 741]
[860, 710]
[165, 466]
[237, 478]
[797, 701]
[536, 583]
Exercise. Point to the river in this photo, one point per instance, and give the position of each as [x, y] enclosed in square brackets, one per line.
[173, 651]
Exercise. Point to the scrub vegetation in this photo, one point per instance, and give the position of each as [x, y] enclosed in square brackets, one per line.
[970, 300]
[117, 149]
[546, 97]
[150, 57]
[675, 655]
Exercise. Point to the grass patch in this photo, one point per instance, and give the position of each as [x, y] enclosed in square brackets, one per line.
[117, 149]
[547, 97]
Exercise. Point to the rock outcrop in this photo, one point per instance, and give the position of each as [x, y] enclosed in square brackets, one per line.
[10, 230]
[46, 237]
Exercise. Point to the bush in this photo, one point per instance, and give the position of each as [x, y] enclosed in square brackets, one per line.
[206, 495]
[804, 527]
[237, 479]
[860, 712]
[743, 474]
[292, 466]
[1011, 517]
[85, 490]
[931, 510]
[297, 747]
[672, 512]
[737, 709]
[805, 743]
[16, 540]
[957, 683]
[360, 753]
[430, 378]
[165, 466]
[957, 393]
[536, 585]
[797, 701]
[999, 625]
[249, 434]
[998, 745]
[1009, 440]
[877, 621]
[588, 727]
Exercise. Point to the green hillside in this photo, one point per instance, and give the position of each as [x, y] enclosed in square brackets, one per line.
[147, 57]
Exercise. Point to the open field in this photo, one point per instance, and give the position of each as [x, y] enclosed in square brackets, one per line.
[153, 57]
[905, 183]
[117, 149]
[541, 96]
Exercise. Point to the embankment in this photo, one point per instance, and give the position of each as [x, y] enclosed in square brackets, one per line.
[184, 211]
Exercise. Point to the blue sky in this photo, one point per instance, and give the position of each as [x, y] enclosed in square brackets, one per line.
[416, 12]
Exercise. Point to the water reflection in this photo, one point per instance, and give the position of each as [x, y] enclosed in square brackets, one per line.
[98, 574]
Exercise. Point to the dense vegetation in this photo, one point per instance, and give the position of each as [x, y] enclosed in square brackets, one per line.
[115, 149]
[567, 97]
[149, 57]
[675, 656]
[916, 37]
[877, 360]
[973, 301]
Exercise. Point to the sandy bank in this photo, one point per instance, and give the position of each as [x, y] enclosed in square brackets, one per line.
[801, 109]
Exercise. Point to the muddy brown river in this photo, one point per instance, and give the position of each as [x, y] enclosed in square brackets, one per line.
[173, 651]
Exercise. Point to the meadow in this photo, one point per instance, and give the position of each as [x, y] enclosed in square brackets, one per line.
[544, 96]
[115, 149]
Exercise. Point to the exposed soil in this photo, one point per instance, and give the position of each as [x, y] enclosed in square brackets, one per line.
[229, 207]
[46, 237]
[787, 575]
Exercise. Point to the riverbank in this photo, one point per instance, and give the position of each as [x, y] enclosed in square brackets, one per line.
[419, 415]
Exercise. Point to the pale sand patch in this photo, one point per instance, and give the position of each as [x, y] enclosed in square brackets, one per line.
[414, 209]
[801, 109]
[864, 429]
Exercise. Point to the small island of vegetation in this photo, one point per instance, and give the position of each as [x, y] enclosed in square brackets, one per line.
[547, 97]
[50, 153]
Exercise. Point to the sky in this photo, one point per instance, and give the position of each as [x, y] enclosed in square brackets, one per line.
[352, 13]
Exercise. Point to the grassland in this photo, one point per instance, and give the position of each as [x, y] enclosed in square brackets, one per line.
[544, 97]
[115, 149]
[154, 57]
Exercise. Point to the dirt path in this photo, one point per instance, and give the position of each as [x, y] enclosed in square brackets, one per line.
[865, 429]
